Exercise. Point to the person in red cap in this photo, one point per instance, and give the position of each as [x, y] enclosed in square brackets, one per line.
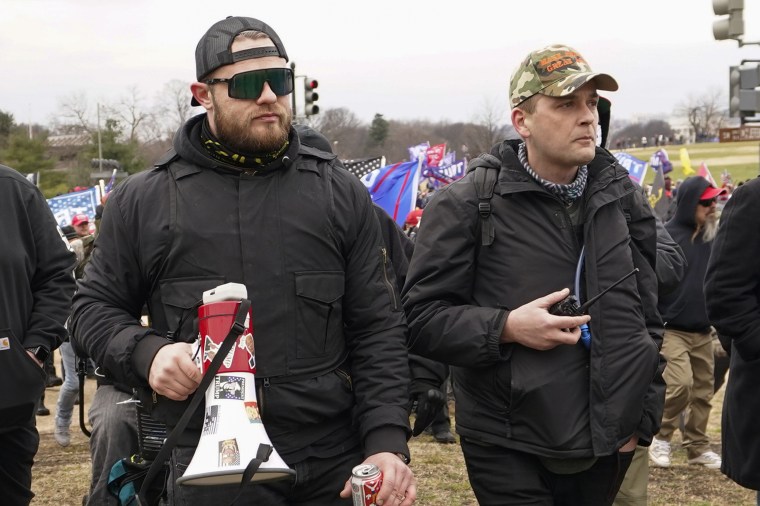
[412, 222]
[81, 223]
[687, 343]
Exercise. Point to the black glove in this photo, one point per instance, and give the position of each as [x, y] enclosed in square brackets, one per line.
[428, 405]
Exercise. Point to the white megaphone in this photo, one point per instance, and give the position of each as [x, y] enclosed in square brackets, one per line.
[233, 433]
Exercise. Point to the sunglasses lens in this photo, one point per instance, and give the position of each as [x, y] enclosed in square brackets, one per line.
[706, 202]
[248, 85]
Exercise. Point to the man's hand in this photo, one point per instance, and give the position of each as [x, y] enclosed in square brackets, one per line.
[36, 360]
[173, 373]
[533, 326]
[399, 485]
[630, 445]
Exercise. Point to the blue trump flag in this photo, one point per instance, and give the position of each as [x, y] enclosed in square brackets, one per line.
[64, 207]
[394, 188]
[637, 169]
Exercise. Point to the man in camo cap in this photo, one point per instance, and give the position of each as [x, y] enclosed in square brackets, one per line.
[555, 401]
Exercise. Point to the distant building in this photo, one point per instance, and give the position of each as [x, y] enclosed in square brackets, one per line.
[66, 148]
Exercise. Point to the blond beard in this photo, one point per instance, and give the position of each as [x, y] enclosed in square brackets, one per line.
[708, 229]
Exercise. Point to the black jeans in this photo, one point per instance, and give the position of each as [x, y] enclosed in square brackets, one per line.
[18, 446]
[500, 476]
[318, 482]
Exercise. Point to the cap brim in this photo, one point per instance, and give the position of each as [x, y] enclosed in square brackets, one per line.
[711, 192]
[569, 84]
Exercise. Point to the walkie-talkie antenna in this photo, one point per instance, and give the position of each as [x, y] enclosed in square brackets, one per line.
[586, 304]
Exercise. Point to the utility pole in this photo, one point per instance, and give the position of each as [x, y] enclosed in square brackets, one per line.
[100, 144]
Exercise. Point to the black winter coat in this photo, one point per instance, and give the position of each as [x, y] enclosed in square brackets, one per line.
[732, 289]
[566, 402]
[37, 273]
[330, 333]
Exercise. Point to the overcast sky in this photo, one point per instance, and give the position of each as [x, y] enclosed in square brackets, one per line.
[434, 60]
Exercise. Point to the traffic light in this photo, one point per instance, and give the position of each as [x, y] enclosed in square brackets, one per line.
[732, 26]
[310, 96]
[734, 85]
[749, 91]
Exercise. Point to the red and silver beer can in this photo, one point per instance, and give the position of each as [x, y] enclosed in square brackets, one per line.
[366, 480]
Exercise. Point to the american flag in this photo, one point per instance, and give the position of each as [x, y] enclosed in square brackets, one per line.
[64, 207]
[361, 168]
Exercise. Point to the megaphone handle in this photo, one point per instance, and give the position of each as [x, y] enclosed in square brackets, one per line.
[238, 327]
[262, 455]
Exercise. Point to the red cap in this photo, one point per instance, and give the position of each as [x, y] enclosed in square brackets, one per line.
[79, 219]
[413, 218]
[711, 192]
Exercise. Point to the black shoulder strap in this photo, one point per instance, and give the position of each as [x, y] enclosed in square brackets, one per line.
[485, 181]
[165, 164]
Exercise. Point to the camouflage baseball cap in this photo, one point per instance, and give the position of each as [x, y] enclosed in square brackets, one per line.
[554, 71]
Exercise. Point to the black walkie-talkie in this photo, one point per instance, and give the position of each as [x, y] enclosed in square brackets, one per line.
[569, 305]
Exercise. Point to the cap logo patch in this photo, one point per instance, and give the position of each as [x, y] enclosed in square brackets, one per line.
[558, 61]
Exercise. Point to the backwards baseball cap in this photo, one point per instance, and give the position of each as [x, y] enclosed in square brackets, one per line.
[214, 50]
[79, 219]
[554, 71]
[711, 192]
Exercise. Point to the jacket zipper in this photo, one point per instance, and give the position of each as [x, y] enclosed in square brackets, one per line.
[388, 284]
[343, 374]
[260, 396]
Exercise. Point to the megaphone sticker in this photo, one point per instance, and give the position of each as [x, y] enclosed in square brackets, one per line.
[211, 421]
[229, 453]
[229, 388]
[246, 343]
[252, 411]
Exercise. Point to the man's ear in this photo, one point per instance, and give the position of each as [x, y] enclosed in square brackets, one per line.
[519, 122]
[202, 94]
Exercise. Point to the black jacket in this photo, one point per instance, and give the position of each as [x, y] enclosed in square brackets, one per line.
[684, 308]
[37, 273]
[301, 235]
[732, 290]
[566, 402]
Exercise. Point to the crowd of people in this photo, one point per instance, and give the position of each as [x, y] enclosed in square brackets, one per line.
[572, 322]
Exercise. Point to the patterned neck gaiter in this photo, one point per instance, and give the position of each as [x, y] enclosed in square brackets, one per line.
[244, 160]
[566, 192]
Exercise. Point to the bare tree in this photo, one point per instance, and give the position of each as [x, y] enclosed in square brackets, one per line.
[344, 130]
[491, 127]
[173, 105]
[75, 115]
[129, 111]
[704, 113]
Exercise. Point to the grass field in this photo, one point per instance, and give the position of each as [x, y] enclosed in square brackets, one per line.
[61, 475]
[740, 159]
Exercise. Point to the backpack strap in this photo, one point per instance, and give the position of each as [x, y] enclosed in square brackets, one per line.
[486, 168]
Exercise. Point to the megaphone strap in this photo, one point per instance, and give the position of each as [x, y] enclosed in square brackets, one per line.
[171, 441]
[262, 455]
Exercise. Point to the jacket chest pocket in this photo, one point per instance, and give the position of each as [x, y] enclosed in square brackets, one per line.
[180, 298]
[319, 312]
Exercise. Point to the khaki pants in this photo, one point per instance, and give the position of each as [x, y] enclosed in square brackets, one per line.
[633, 491]
[689, 379]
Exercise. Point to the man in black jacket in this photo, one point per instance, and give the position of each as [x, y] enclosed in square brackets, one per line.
[242, 200]
[37, 270]
[732, 290]
[688, 341]
[541, 416]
